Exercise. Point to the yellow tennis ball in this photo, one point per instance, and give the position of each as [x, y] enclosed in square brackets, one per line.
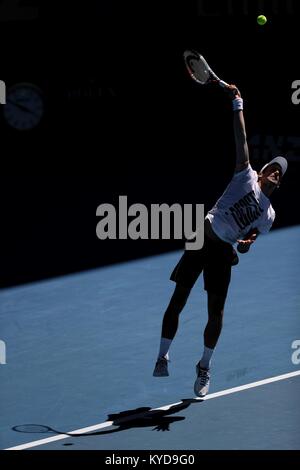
[261, 20]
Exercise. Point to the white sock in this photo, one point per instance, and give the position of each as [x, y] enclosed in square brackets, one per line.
[165, 344]
[205, 361]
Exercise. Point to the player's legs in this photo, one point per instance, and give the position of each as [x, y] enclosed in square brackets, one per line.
[175, 307]
[185, 274]
[169, 328]
[215, 304]
[217, 275]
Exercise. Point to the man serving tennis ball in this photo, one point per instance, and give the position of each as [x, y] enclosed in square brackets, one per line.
[239, 216]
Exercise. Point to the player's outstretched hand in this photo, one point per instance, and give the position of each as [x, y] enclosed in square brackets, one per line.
[244, 245]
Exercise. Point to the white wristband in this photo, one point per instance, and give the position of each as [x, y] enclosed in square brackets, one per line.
[237, 104]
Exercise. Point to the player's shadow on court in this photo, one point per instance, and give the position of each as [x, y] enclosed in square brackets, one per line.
[159, 420]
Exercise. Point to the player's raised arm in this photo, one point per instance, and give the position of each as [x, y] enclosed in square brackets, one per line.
[242, 151]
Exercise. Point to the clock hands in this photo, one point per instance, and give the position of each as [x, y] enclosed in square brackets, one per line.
[22, 107]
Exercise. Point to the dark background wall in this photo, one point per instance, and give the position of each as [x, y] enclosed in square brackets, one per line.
[123, 118]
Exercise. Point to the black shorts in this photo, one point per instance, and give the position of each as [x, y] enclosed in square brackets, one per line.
[215, 260]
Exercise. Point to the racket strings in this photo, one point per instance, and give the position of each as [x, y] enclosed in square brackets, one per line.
[199, 70]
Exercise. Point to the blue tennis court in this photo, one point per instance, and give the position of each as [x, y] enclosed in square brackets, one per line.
[80, 352]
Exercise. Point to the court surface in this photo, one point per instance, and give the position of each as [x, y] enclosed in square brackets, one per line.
[80, 352]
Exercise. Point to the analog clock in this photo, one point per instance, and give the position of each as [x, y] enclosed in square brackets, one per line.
[24, 106]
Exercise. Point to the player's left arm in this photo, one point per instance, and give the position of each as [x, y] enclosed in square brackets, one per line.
[244, 244]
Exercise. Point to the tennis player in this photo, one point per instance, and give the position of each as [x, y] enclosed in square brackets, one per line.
[242, 213]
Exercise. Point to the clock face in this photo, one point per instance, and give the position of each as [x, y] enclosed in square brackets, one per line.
[24, 106]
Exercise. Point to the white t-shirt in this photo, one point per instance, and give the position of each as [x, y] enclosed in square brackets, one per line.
[242, 207]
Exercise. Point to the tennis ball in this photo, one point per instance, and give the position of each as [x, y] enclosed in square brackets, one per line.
[261, 20]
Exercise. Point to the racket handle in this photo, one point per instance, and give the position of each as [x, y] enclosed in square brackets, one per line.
[223, 84]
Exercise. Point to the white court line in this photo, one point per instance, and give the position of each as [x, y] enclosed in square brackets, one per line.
[107, 424]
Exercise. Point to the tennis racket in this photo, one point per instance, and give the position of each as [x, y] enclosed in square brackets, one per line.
[34, 429]
[199, 70]
[40, 429]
